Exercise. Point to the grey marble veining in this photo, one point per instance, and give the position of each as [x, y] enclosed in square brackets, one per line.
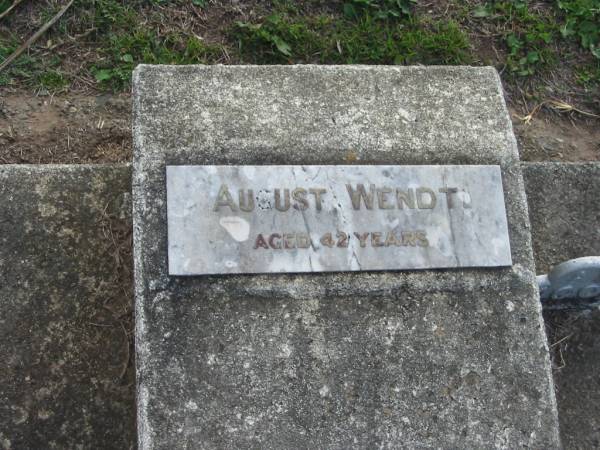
[260, 219]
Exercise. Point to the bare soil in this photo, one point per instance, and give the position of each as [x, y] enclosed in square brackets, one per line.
[79, 128]
[65, 129]
[551, 137]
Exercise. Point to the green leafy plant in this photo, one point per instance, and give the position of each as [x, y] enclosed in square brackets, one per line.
[528, 37]
[527, 51]
[582, 21]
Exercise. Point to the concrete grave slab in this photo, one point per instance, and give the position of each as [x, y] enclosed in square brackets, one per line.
[65, 308]
[453, 358]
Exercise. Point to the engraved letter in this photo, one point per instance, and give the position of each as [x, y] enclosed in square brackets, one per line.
[382, 200]
[317, 193]
[272, 243]
[376, 239]
[303, 240]
[288, 240]
[421, 202]
[299, 195]
[362, 238]
[246, 205]
[224, 199]
[449, 196]
[286, 195]
[407, 197]
[422, 238]
[260, 242]
[360, 192]
[408, 238]
[391, 239]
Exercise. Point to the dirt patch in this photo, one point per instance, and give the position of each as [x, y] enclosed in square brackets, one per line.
[78, 129]
[65, 129]
[551, 137]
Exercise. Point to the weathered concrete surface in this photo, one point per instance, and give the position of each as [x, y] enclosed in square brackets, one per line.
[564, 207]
[550, 186]
[65, 270]
[564, 201]
[435, 358]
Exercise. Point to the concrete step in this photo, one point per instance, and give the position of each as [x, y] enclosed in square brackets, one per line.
[564, 209]
[67, 377]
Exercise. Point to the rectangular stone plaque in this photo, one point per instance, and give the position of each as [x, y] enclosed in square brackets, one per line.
[260, 219]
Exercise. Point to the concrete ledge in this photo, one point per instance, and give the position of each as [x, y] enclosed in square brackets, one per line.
[65, 307]
[564, 209]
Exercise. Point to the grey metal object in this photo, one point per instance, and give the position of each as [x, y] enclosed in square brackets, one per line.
[574, 284]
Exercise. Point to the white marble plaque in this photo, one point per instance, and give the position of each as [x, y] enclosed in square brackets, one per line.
[258, 219]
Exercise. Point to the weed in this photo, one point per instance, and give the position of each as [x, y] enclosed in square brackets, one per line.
[529, 51]
[588, 75]
[52, 80]
[528, 34]
[412, 42]
[108, 15]
[278, 39]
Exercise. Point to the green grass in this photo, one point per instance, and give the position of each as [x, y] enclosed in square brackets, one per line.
[4, 4]
[365, 32]
[588, 75]
[126, 42]
[52, 80]
[374, 33]
[126, 50]
[532, 37]
[279, 39]
[378, 9]
[31, 71]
